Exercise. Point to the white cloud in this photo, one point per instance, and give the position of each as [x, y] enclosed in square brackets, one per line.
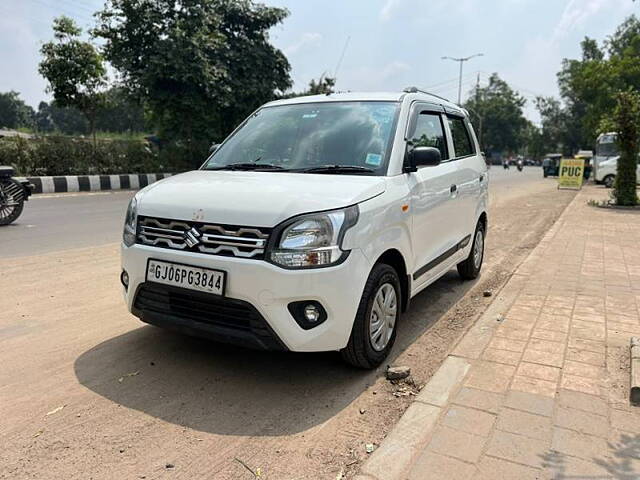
[389, 9]
[307, 39]
[575, 15]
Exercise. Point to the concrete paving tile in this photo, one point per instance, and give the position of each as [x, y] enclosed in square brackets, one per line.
[530, 402]
[549, 335]
[627, 421]
[490, 376]
[455, 443]
[534, 385]
[564, 467]
[512, 345]
[523, 423]
[543, 358]
[581, 384]
[501, 356]
[432, 465]
[469, 420]
[583, 370]
[577, 444]
[582, 401]
[507, 331]
[587, 344]
[546, 346]
[517, 448]
[580, 421]
[490, 468]
[585, 356]
[624, 445]
[479, 399]
[543, 372]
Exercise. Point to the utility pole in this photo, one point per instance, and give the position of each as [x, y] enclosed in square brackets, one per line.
[478, 113]
[461, 61]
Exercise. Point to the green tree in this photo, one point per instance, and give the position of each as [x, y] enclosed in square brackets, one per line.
[14, 113]
[67, 120]
[200, 66]
[323, 86]
[499, 108]
[627, 121]
[74, 69]
[589, 86]
[120, 112]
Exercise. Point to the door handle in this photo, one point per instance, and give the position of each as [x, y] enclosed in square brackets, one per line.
[453, 189]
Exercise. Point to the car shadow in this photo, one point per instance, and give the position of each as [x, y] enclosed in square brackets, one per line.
[227, 390]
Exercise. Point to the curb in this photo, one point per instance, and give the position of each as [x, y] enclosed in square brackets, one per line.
[91, 183]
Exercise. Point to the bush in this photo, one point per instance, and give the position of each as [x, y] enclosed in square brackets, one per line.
[59, 155]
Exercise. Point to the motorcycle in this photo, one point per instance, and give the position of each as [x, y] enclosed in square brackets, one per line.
[13, 194]
[520, 167]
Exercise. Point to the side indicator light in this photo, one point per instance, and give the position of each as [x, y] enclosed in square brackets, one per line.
[405, 208]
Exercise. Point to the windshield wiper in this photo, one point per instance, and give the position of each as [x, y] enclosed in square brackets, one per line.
[337, 169]
[249, 166]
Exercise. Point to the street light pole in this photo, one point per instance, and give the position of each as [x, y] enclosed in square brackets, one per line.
[461, 61]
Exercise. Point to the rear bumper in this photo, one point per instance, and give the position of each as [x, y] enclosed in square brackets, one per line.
[264, 291]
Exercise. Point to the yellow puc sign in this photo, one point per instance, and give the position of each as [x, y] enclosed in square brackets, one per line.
[571, 173]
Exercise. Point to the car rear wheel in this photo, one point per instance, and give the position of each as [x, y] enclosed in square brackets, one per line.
[470, 268]
[374, 329]
[608, 180]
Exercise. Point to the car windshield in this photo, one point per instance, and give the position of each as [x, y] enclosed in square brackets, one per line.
[313, 136]
[608, 149]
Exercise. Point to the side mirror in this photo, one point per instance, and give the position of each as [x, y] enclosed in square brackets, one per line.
[213, 147]
[423, 156]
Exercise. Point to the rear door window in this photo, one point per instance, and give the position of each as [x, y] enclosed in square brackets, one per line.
[429, 132]
[461, 138]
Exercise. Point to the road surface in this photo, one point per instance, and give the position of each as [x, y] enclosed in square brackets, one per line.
[87, 391]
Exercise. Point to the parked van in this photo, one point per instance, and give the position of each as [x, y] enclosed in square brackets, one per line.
[312, 225]
[607, 170]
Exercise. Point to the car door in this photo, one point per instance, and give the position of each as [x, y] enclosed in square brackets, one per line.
[470, 177]
[433, 212]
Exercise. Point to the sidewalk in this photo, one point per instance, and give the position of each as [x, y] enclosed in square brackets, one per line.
[538, 388]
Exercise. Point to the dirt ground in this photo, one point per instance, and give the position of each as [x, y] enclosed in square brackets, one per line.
[87, 391]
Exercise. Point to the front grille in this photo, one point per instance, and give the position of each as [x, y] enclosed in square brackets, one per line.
[246, 242]
[203, 314]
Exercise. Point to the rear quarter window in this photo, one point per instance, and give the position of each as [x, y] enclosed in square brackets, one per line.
[461, 138]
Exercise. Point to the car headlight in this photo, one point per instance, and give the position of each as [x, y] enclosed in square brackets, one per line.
[130, 223]
[314, 240]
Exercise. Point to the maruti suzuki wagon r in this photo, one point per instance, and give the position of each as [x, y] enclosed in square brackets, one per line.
[312, 225]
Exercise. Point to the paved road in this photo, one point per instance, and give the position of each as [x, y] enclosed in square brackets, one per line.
[88, 391]
[57, 222]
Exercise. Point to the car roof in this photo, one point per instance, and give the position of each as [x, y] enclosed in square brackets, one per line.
[411, 95]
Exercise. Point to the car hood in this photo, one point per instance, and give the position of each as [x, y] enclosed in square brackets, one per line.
[610, 162]
[258, 199]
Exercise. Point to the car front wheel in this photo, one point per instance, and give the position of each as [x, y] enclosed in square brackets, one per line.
[608, 181]
[374, 329]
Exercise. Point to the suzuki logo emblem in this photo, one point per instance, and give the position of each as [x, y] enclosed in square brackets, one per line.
[192, 237]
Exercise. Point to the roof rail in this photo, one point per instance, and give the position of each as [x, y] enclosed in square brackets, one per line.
[416, 90]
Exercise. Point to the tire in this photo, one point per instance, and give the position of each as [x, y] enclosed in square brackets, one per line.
[470, 268]
[11, 200]
[608, 181]
[362, 351]
[545, 173]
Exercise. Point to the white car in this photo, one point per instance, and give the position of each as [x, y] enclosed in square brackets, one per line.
[606, 172]
[312, 225]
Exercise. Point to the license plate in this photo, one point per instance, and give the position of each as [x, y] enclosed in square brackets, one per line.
[186, 276]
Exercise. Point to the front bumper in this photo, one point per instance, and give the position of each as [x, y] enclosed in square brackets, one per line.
[264, 291]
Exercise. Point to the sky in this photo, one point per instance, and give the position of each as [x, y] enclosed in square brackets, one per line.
[383, 44]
